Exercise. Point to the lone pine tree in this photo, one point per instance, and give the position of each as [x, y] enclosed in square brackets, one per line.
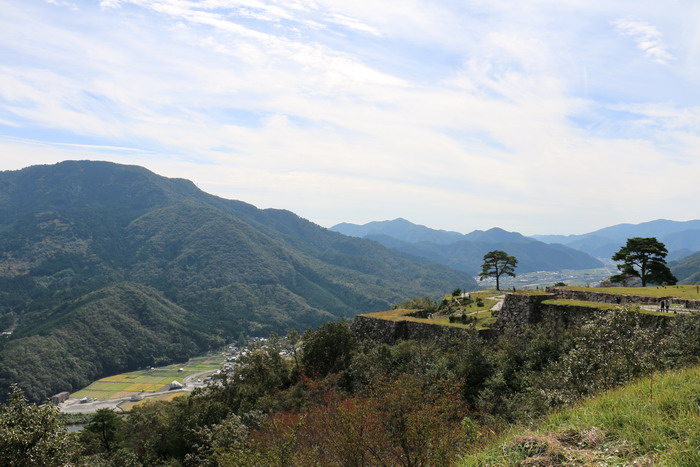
[644, 258]
[497, 263]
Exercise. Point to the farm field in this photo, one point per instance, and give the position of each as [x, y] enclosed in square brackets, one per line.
[149, 380]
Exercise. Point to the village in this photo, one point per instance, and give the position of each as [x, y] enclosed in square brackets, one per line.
[124, 391]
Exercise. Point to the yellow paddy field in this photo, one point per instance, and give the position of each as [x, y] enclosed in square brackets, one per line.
[147, 381]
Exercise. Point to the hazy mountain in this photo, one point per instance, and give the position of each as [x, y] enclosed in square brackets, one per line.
[400, 229]
[683, 240]
[497, 235]
[687, 270]
[679, 254]
[467, 253]
[603, 243]
[222, 267]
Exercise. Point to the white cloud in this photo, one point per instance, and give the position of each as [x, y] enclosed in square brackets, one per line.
[459, 115]
[647, 37]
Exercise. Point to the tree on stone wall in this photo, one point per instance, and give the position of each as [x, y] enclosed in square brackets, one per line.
[644, 258]
[497, 263]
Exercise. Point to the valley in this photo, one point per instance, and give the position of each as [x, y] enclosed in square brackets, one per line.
[111, 276]
[124, 391]
[108, 268]
[542, 279]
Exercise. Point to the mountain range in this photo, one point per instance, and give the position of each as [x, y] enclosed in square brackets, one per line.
[106, 268]
[681, 238]
[465, 252]
[687, 270]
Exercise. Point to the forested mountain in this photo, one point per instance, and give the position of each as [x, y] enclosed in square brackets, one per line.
[94, 253]
[679, 237]
[687, 270]
[400, 229]
[465, 252]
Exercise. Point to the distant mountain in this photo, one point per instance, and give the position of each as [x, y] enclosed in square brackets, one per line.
[603, 243]
[497, 235]
[400, 229]
[467, 252]
[683, 240]
[92, 253]
[679, 254]
[687, 270]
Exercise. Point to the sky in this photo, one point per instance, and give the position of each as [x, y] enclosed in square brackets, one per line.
[536, 116]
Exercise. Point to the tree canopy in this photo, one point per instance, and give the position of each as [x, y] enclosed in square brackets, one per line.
[644, 258]
[33, 435]
[497, 263]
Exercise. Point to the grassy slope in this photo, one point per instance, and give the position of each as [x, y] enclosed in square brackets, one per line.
[655, 421]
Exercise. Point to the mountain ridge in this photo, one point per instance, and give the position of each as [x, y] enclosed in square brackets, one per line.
[465, 252]
[603, 243]
[70, 229]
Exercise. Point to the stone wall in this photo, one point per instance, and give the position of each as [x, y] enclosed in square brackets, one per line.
[518, 311]
[562, 317]
[619, 299]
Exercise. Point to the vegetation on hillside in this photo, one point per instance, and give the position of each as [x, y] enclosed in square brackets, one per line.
[655, 421]
[220, 267]
[687, 270]
[343, 400]
[125, 326]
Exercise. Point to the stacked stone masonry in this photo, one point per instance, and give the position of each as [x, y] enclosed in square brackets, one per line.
[619, 299]
[518, 311]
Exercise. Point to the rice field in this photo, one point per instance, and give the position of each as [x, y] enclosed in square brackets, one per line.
[147, 381]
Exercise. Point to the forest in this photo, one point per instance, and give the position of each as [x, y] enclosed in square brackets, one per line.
[107, 268]
[341, 400]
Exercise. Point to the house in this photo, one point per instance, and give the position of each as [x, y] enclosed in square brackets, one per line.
[175, 385]
[60, 397]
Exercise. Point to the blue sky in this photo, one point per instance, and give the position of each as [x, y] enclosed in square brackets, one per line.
[540, 116]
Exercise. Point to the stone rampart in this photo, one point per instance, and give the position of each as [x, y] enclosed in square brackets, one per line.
[620, 299]
[519, 310]
[562, 317]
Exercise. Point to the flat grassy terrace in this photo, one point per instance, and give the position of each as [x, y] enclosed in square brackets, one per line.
[688, 292]
[603, 306]
[484, 318]
[147, 381]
